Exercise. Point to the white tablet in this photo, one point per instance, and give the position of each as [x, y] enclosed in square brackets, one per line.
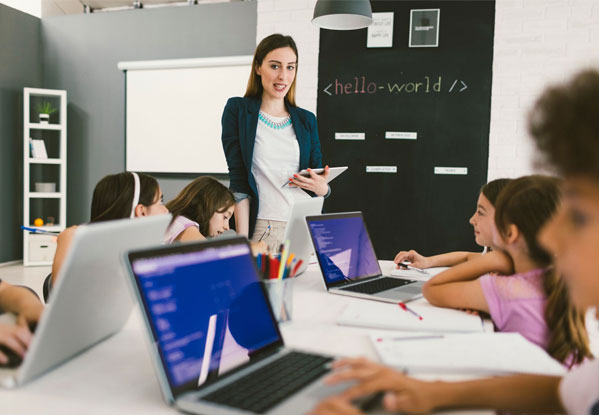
[333, 173]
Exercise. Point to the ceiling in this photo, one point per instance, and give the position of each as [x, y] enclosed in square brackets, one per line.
[62, 7]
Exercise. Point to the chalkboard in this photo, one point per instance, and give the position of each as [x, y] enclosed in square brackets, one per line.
[442, 94]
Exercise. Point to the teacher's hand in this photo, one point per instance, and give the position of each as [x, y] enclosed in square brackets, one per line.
[316, 183]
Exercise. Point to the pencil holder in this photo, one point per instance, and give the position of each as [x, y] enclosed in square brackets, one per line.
[280, 294]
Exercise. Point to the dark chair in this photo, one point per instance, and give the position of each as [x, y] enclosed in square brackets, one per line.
[47, 287]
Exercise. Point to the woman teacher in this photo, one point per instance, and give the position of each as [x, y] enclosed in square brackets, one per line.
[267, 140]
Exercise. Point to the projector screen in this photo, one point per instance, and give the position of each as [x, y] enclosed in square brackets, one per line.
[174, 110]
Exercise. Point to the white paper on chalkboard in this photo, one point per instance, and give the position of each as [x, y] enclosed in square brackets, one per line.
[380, 31]
[350, 136]
[381, 169]
[174, 110]
[400, 135]
[451, 170]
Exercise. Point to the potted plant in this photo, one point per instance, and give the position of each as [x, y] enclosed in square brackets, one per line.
[45, 109]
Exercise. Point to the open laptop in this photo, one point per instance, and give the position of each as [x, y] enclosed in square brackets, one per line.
[90, 300]
[348, 262]
[296, 231]
[214, 342]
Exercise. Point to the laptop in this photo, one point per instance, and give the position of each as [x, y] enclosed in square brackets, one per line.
[348, 262]
[214, 342]
[90, 300]
[296, 231]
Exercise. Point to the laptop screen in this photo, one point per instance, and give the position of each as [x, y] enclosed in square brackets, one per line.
[343, 247]
[206, 308]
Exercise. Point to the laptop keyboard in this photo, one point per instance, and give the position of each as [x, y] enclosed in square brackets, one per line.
[264, 388]
[378, 285]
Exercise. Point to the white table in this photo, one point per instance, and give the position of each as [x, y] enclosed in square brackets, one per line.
[117, 377]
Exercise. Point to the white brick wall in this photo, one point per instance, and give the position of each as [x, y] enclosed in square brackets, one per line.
[536, 42]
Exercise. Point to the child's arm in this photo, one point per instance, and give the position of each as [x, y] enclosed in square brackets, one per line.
[192, 233]
[242, 217]
[63, 244]
[519, 393]
[20, 301]
[442, 260]
[458, 286]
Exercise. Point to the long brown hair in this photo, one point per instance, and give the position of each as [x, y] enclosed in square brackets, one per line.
[113, 195]
[492, 189]
[254, 88]
[201, 199]
[527, 203]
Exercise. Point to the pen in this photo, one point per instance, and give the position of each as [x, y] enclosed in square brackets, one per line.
[409, 310]
[296, 268]
[408, 266]
[265, 230]
[37, 230]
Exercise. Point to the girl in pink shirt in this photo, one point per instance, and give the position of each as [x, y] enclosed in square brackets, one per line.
[528, 297]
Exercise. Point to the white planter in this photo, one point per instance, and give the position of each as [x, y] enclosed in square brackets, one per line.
[44, 118]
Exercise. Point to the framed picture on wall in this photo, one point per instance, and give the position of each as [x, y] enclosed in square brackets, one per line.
[424, 28]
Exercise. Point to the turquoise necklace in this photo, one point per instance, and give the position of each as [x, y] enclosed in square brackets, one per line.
[274, 125]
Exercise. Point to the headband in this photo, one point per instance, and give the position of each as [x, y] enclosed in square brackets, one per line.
[135, 194]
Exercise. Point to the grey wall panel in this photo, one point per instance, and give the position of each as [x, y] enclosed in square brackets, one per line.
[20, 66]
[80, 54]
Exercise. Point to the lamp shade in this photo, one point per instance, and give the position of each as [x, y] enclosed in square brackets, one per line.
[342, 14]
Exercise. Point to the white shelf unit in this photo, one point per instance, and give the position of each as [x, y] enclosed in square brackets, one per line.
[38, 249]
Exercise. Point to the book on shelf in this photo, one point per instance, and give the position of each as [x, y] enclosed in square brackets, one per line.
[38, 149]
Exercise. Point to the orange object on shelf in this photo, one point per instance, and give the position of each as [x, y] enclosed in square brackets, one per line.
[38, 222]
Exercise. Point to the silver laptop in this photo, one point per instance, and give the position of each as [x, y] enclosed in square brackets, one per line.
[90, 300]
[296, 231]
[215, 344]
[348, 262]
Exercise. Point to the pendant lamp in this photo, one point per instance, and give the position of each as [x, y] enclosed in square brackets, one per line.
[342, 14]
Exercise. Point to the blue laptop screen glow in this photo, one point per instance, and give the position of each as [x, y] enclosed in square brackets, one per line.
[344, 249]
[207, 309]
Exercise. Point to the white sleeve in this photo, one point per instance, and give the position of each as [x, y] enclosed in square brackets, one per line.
[579, 389]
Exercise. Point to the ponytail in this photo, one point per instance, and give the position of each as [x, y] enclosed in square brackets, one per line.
[567, 331]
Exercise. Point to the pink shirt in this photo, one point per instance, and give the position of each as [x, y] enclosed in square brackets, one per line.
[517, 304]
[177, 227]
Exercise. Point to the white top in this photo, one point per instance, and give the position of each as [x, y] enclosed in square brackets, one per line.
[579, 389]
[275, 160]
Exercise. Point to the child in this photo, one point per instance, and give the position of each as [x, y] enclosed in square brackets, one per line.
[533, 301]
[565, 126]
[15, 339]
[116, 196]
[483, 223]
[202, 209]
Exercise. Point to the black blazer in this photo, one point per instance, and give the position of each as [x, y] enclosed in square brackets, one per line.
[239, 123]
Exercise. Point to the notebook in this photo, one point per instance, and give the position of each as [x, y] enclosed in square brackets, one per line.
[480, 353]
[216, 347]
[392, 317]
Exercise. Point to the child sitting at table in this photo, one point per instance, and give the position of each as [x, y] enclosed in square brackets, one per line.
[202, 210]
[116, 196]
[483, 223]
[533, 299]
